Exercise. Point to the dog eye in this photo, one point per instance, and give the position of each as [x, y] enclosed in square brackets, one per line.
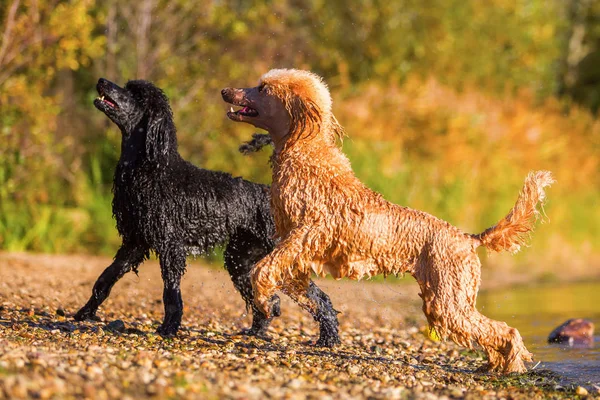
[261, 87]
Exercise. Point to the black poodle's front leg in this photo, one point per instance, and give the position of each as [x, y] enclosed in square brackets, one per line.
[172, 267]
[260, 323]
[242, 252]
[326, 316]
[127, 258]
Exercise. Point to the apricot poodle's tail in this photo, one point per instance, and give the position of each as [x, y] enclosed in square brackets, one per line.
[513, 230]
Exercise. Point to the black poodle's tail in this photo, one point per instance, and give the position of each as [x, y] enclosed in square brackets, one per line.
[259, 140]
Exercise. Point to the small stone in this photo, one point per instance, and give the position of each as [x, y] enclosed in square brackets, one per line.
[452, 353]
[581, 391]
[456, 391]
[162, 382]
[124, 365]
[45, 393]
[115, 326]
[376, 349]
[146, 377]
[151, 389]
[60, 312]
[89, 391]
[295, 384]
[353, 369]
[94, 370]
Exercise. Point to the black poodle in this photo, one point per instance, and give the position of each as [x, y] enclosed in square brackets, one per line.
[166, 205]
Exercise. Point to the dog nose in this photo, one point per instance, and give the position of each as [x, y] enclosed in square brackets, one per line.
[227, 94]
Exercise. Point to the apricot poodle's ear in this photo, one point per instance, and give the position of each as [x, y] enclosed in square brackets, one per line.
[305, 117]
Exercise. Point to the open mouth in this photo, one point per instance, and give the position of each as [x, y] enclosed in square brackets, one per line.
[243, 112]
[104, 99]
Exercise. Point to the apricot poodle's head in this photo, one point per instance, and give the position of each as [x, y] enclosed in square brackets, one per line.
[290, 104]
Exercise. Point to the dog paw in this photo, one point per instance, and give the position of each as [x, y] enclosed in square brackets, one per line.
[85, 314]
[485, 368]
[260, 334]
[167, 331]
[517, 367]
[328, 341]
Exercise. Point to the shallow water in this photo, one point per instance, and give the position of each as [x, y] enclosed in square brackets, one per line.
[535, 311]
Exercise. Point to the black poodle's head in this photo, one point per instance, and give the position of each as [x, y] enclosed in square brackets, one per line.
[140, 110]
[127, 106]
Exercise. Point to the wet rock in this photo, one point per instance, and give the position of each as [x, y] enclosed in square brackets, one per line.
[60, 312]
[115, 326]
[575, 332]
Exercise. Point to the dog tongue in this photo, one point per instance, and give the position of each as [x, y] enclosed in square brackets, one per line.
[245, 110]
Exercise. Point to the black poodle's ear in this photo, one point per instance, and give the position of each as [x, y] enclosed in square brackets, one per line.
[156, 124]
[157, 139]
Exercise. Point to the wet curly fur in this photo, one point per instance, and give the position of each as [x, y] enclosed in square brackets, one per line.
[331, 223]
[166, 205]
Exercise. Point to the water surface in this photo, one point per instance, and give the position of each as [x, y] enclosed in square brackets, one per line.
[537, 310]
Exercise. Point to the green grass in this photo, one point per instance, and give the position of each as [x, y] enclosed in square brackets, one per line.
[58, 224]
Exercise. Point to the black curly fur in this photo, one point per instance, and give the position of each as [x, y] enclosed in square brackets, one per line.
[259, 140]
[164, 204]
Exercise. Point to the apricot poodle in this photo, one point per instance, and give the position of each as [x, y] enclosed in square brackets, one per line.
[330, 222]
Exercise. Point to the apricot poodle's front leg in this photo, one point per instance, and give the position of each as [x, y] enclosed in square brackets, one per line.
[279, 267]
[265, 284]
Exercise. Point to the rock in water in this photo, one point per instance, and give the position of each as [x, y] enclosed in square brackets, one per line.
[575, 332]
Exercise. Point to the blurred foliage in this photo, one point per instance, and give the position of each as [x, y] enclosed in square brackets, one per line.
[447, 103]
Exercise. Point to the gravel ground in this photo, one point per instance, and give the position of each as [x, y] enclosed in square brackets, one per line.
[384, 352]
